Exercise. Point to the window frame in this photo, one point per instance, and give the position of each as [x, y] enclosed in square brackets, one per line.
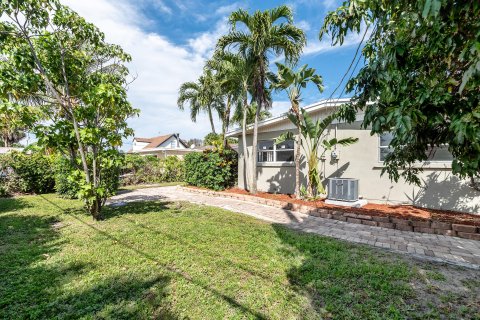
[274, 151]
[388, 146]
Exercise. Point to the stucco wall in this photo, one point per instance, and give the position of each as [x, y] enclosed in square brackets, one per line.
[441, 189]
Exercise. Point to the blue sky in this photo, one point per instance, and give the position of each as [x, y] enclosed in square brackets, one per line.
[169, 41]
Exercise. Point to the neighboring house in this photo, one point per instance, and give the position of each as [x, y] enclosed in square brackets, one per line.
[161, 146]
[362, 160]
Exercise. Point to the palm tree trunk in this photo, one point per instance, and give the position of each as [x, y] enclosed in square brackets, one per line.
[226, 118]
[297, 162]
[211, 119]
[246, 182]
[253, 188]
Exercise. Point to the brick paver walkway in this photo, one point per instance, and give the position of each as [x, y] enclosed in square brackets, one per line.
[425, 246]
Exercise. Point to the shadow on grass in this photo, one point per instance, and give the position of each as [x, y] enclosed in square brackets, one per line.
[12, 204]
[346, 281]
[140, 207]
[32, 286]
[173, 271]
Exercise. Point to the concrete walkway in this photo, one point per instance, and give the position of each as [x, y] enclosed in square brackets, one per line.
[431, 247]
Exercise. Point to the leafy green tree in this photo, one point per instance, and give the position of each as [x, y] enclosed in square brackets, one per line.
[15, 119]
[249, 113]
[315, 144]
[262, 33]
[203, 95]
[293, 81]
[63, 64]
[421, 78]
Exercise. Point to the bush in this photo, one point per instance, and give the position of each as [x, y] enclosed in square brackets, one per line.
[65, 185]
[149, 169]
[26, 173]
[215, 169]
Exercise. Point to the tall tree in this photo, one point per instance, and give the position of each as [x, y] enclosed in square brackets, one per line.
[64, 64]
[235, 72]
[203, 95]
[264, 33]
[421, 78]
[292, 82]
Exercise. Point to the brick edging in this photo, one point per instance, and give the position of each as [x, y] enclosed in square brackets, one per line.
[423, 226]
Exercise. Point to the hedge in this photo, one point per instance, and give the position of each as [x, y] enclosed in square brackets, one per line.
[215, 169]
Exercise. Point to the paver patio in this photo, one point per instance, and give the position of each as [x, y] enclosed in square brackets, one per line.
[439, 248]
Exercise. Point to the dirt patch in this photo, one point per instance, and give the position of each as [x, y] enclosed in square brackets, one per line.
[443, 287]
[372, 209]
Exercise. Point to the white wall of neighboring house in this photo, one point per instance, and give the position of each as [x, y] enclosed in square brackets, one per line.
[172, 143]
[138, 145]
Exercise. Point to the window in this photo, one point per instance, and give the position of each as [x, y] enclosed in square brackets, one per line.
[385, 149]
[436, 154]
[268, 151]
[173, 144]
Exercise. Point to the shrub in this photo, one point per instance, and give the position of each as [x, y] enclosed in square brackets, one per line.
[215, 169]
[65, 185]
[149, 169]
[26, 173]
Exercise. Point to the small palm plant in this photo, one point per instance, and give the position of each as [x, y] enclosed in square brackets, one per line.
[293, 81]
[315, 144]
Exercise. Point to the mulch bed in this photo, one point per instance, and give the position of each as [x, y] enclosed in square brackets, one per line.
[397, 211]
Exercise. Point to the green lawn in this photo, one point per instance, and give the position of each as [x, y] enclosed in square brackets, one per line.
[178, 260]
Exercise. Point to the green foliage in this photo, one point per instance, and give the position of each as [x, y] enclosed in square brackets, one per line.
[26, 173]
[216, 139]
[420, 80]
[215, 169]
[55, 59]
[204, 95]
[65, 185]
[149, 169]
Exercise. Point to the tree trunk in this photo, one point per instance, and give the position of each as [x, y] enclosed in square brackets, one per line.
[297, 162]
[253, 188]
[246, 181]
[225, 123]
[211, 119]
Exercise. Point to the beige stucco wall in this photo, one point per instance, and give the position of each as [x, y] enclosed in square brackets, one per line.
[441, 190]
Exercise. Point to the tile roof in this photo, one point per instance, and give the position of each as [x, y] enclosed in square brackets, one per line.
[157, 141]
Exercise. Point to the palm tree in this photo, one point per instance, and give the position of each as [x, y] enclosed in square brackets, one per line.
[203, 95]
[292, 82]
[249, 112]
[315, 137]
[264, 34]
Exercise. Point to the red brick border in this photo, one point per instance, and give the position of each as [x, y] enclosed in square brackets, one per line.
[423, 226]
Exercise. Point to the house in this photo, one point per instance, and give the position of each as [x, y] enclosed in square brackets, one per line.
[362, 160]
[161, 146]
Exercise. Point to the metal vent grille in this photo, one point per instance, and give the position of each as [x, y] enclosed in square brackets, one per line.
[343, 189]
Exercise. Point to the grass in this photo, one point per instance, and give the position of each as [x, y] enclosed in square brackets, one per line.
[166, 260]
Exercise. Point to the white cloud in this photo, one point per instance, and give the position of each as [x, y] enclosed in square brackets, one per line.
[302, 24]
[226, 10]
[204, 44]
[161, 66]
[158, 4]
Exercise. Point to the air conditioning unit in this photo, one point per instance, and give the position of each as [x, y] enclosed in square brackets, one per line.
[343, 189]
